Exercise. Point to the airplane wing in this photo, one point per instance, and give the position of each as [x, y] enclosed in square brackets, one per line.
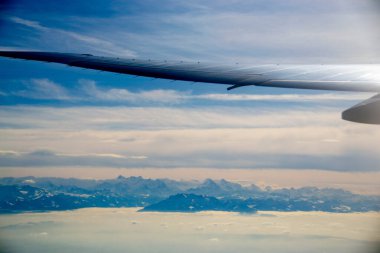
[360, 78]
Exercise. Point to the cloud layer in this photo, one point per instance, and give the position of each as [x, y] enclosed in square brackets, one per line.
[214, 137]
[120, 230]
[89, 91]
[245, 31]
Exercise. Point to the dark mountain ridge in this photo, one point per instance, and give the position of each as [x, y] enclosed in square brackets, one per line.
[33, 193]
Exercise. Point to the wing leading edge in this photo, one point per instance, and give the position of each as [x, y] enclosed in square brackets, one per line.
[360, 78]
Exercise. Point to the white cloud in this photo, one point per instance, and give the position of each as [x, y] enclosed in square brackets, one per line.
[214, 240]
[9, 153]
[120, 95]
[43, 89]
[91, 154]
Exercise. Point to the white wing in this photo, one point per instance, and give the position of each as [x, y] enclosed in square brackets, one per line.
[361, 78]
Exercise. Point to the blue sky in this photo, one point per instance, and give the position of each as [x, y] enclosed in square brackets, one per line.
[63, 117]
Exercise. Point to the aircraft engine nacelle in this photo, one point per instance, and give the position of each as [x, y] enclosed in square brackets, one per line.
[367, 112]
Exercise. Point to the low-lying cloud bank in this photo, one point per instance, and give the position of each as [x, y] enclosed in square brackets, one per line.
[214, 137]
[89, 91]
[127, 230]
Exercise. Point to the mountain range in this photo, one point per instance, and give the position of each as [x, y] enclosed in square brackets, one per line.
[165, 195]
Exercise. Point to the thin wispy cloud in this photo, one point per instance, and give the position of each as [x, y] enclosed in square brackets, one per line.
[253, 31]
[101, 45]
[42, 158]
[297, 31]
[29, 23]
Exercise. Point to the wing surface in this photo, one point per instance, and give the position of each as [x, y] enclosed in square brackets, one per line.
[365, 78]
[360, 78]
